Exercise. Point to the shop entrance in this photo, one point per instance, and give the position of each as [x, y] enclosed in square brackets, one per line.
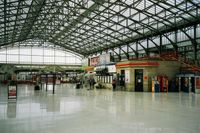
[192, 84]
[139, 80]
[184, 84]
[122, 78]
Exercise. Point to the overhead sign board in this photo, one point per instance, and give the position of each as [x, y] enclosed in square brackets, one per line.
[104, 58]
[94, 61]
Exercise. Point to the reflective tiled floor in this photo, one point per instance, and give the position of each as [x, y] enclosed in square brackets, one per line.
[98, 111]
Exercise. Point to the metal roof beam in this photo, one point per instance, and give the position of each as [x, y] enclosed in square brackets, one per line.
[80, 18]
[34, 12]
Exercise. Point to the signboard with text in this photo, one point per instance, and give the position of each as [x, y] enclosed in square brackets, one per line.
[94, 61]
[111, 68]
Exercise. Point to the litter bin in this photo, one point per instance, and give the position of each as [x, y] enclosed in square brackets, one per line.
[37, 87]
[78, 85]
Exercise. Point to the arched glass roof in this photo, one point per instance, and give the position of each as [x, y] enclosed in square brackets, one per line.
[90, 26]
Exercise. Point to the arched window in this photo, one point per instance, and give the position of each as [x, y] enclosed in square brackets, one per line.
[38, 54]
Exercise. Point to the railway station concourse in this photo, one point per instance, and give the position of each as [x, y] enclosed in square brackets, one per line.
[99, 66]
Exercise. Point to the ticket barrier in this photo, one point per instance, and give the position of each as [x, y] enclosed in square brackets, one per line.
[189, 83]
[163, 81]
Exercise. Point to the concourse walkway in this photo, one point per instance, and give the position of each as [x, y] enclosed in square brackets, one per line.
[72, 110]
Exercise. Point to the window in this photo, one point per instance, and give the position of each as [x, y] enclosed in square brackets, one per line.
[31, 55]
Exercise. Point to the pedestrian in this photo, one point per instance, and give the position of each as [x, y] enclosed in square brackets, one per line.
[114, 82]
[91, 82]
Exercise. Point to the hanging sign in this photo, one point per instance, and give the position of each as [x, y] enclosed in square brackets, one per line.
[94, 61]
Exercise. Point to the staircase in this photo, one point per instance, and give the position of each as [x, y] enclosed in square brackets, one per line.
[189, 66]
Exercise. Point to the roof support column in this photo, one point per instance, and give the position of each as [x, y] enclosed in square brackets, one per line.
[175, 40]
[137, 50]
[18, 54]
[147, 49]
[185, 53]
[112, 57]
[195, 45]
[5, 15]
[160, 45]
[125, 52]
[6, 55]
[128, 57]
[117, 54]
[120, 54]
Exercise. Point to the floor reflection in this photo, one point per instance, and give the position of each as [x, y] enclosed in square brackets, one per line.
[11, 108]
[97, 111]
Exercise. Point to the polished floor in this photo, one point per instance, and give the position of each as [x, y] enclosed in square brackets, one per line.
[73, 110]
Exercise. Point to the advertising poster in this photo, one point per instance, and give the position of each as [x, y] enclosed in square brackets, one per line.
[94, 61]
[12, 92]
[197, 82]
[127, 76]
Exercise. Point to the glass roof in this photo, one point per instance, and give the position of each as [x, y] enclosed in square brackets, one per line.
[90, 26]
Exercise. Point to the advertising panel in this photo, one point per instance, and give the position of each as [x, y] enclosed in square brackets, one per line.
[197, 82]
[94, 61]
[12, 92]
[127, 76]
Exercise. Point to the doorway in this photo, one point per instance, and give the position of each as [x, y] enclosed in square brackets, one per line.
[139, 80]
[192, 84]
[122, 78]
[185, 84]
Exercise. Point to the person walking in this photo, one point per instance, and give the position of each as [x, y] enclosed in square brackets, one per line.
[91, 82]
[114, 82]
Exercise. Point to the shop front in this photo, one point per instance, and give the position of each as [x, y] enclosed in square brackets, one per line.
[141, 75]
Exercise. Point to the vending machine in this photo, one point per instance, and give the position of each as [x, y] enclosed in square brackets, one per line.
[163, 81]
[155, 84]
